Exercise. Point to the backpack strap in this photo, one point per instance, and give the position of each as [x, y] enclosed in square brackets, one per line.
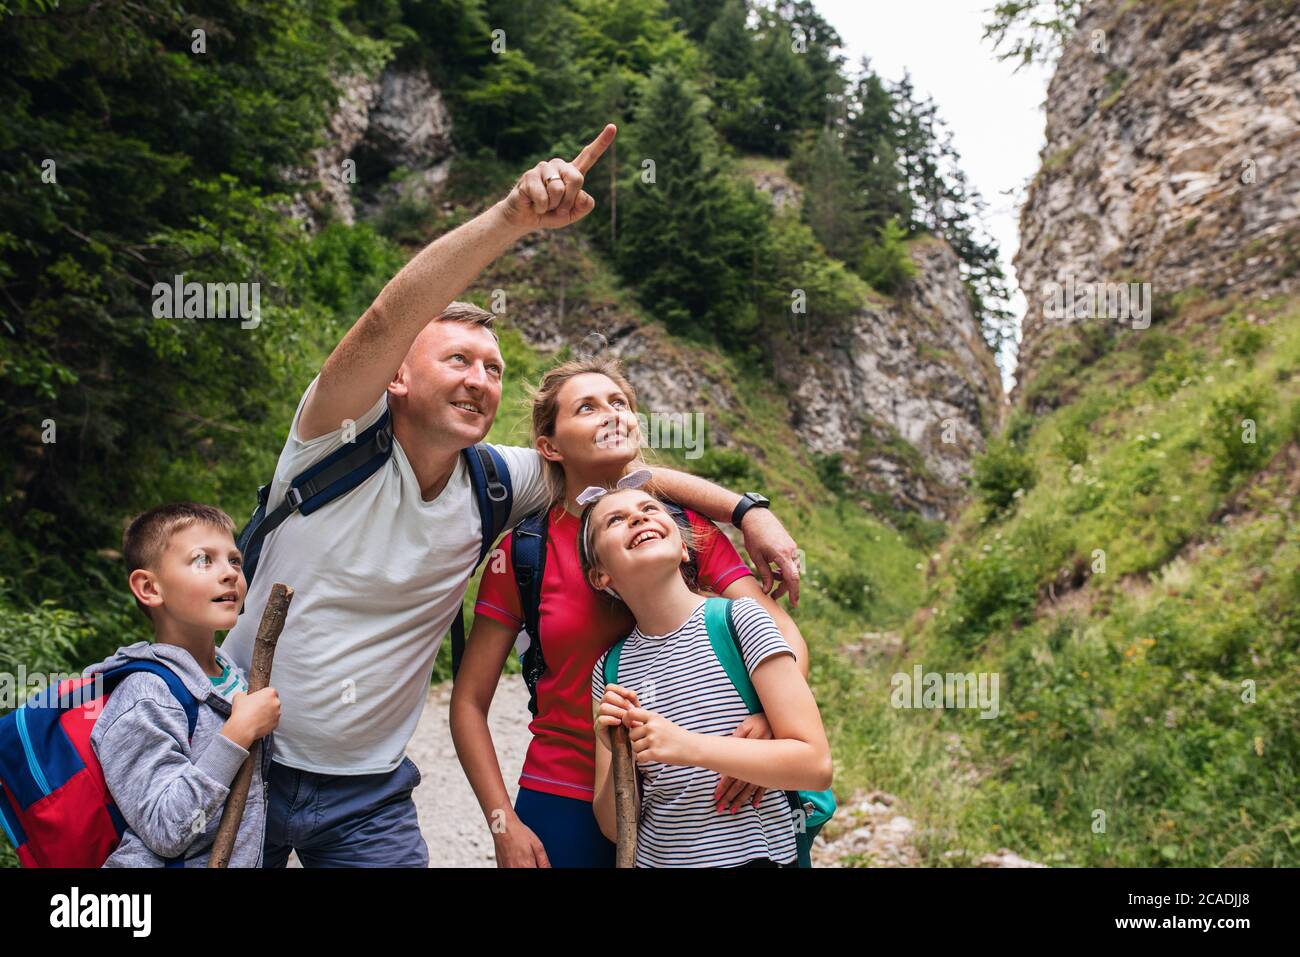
[815, 807]
[332, 477]
[726, 646]
[528, 558]
[611, 661]
[490, 479]
[493, 491]
[183, 697]
[173, 681]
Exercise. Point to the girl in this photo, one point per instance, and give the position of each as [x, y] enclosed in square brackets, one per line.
[585, 427]
[674, 695]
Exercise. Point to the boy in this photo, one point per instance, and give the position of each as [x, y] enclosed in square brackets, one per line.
[185, 574]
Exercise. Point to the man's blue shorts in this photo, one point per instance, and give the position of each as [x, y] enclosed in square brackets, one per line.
[340, 820]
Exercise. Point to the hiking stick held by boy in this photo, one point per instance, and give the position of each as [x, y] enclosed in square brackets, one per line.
[268, 633]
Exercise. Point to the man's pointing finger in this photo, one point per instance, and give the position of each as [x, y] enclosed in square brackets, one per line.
[595, 149]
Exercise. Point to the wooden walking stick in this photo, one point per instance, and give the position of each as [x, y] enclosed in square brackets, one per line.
[623, 767]
[268, 633]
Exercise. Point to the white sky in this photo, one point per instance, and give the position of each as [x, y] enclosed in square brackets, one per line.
[995, 115]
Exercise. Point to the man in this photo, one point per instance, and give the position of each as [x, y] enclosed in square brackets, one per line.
[380, 574]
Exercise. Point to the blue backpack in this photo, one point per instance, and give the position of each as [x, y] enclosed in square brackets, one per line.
[810, 809]
[55, 806]
[347, 467]
[528, 558]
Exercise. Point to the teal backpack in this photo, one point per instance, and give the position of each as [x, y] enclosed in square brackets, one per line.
[812, 809]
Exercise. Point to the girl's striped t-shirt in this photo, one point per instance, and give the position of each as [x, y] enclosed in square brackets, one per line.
[678, 676]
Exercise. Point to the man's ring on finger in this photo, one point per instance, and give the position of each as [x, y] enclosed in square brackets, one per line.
[556, 176]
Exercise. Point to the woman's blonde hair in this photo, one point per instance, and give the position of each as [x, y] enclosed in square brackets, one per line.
[546, 407]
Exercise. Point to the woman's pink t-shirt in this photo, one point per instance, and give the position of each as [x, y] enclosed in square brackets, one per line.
[578, 625]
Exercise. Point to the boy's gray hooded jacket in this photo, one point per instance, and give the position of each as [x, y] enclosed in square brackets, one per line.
[170, 789]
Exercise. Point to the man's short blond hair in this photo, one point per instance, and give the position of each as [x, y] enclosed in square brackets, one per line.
[459, 311]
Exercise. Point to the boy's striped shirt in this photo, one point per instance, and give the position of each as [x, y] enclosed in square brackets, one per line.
[678, 676]
[228, 682]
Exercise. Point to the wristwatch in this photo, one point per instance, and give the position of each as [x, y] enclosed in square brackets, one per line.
[747, 501]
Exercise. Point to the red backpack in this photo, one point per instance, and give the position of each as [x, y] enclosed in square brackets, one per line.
[54, 805]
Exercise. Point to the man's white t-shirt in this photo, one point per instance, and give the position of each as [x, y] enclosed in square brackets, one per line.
[378, 576]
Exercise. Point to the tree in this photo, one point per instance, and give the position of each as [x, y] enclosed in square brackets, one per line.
[686, 238]
[871, 145]
[886, 264]
[944, 204]
[697, 16]
[1043, 26]
[833, 199]
[737, 102]
[133, 149]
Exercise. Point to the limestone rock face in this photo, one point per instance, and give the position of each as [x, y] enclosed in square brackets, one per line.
[410, 129]
[1172, 158]
[907, 395]
[410, 122]
[394, 122]
[905, 398]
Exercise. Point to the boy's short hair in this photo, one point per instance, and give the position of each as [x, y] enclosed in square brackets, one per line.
[147, 534]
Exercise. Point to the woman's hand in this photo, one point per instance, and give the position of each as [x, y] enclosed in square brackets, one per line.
[550, 195]
[612, 710]
[655, 738]
[734, 794]
[518, 846]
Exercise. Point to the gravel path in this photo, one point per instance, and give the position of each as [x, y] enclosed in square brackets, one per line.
[450, 819]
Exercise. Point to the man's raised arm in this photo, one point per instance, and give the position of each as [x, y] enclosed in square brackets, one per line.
[766, 539]
[548, 196]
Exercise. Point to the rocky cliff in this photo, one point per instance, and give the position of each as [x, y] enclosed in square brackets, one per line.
[906, 397]
[903, 398]
[389, 139]
[1171, 159]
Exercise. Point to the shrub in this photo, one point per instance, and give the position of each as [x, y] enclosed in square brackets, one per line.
[999, 474]
[886, 263]
[994, 591]
[1244, 339]
[830, 470]
[730, 468]
[853, 590]
[1073, 444]
[1238, 438]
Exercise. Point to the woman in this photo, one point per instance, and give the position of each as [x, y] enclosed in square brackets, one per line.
[585, 427]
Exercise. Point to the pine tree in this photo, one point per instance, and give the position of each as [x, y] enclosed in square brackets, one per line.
[686, 238]
[832, 202]
[871, 145]
[697, 16]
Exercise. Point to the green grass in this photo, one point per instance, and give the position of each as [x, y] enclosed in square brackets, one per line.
[1123, 704]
